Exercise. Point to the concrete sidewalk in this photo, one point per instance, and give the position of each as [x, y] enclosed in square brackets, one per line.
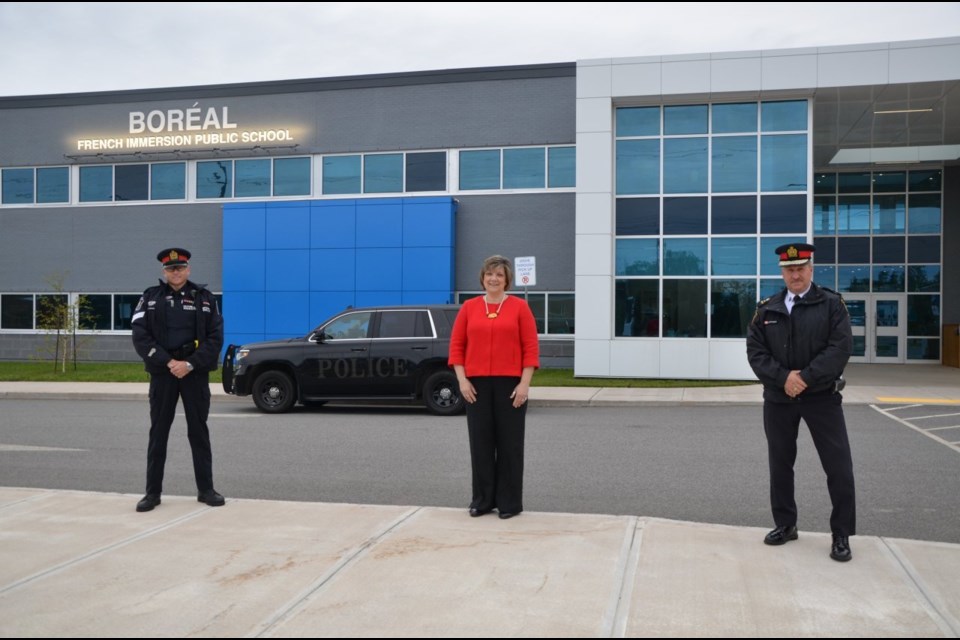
[85, 564]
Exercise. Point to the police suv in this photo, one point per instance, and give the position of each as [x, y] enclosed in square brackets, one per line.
[382, 353]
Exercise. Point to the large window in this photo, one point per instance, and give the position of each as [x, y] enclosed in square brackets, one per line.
[517, 168]
[253, 178]
[880, 232]
[132, 182]
[704, 195]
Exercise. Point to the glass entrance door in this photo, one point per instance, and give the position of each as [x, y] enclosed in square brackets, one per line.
[879, 323]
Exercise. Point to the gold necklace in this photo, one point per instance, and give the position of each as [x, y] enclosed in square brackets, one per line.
[492, 314]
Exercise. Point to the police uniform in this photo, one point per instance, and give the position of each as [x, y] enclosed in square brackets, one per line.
[810, 334]
[178, 326]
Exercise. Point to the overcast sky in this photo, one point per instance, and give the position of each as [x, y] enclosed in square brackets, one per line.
[51, 47]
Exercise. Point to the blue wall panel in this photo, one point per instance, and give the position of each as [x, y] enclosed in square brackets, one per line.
[288, 270]
[288, 227]
[290, 265]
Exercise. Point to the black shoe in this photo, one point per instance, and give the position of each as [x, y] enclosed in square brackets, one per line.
[148, 502]
[840, 551]
[476, 513]
[781, 535]
[211, 498]
[506, 515]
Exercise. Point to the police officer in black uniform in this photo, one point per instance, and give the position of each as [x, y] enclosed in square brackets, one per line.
[178, 331]
[798, 344]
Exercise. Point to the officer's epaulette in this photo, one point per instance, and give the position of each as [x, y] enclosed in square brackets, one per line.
[763, 302]
[836, 293]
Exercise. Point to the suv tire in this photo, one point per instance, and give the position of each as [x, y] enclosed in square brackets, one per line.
[441, 394]
[274, 392]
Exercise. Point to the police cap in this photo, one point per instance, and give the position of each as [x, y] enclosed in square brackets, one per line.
[794, 254]
[173, 256]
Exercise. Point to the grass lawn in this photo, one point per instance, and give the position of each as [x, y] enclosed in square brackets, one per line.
[133, 372]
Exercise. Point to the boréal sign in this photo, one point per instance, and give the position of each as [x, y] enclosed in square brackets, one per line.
[182, 128]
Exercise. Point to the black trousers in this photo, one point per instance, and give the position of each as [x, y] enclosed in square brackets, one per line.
[824, 418]
[165, 389]
[496, 445]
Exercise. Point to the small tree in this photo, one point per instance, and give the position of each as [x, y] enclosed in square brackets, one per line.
[61, 319]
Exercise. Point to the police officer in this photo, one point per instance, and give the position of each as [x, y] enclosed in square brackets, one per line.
[178, 331]
[798, 344]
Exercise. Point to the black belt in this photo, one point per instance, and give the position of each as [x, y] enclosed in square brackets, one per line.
[184, 351]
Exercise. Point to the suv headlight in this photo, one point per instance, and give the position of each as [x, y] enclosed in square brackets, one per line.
[239, 356]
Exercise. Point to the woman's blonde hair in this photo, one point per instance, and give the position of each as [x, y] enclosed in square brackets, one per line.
[492, 263]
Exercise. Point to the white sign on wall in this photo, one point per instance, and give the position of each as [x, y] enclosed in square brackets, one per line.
[526, 270]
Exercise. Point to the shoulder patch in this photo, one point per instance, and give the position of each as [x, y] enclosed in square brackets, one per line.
[764, 301]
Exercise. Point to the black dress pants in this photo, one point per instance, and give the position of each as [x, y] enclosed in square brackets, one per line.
[824, 418]
[496, 431]
[165, 389]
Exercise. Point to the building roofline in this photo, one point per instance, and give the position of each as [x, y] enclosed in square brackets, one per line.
[272, 87]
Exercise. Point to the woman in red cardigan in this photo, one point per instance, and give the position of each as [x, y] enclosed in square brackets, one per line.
[494, 350]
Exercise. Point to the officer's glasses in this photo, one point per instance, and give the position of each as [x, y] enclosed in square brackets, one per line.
[176, 268]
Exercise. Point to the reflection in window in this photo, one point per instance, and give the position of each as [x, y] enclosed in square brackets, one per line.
[524, 168]
[638, 121]
[853, 279]
[824, 216]
[735, 118]
[95, 311]
[734, 164]
[684, 120]
[685, 165]
[888, 278]
[783, 163]
[168, 181]
[923, 349]
[734, 256]
[383, 173]
[341, 174]
[925, 213]
[96, 184]
[783, 116]
[638, 257]
[538, 309]
[480, 169]
[17, 186]
[684, 308]
[637, 308]
[214, 179]
[858, 312]
[825, 276]
[732, 305]
[562, 167]
[291, 177]
[352, 326]
[853, 215]
[638, 216]
[123, 307]
[889, 214]
[684, 256]
[638, 167]
[560, 308]
[53, 184]
[925, 278]
[252, 178]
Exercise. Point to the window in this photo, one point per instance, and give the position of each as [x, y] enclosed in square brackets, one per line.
[404, 324]
[16, 311]
[562, 167]
[214, 179]
[291, 177]
[479, 170]
[96, 184]
[252, 178]
[524, 168]
[168, 181]
[123, 307]
[17, 186]
[427, 171]
[131, 182]
[352, 326]
[383, 173]
[53, 184]
[341, 174]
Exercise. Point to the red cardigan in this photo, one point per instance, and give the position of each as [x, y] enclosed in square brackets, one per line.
[501, 346]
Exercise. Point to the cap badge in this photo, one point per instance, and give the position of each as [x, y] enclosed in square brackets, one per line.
[792, 252]
[176, 256]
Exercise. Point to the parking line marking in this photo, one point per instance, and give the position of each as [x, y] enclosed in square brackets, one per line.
[956, 426]
[892, 399]
[932, 436]
[906, 406]
[27, 447]
[939, 415]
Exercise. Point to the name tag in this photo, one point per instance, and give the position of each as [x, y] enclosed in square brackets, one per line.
[189, 307]
[770, 322]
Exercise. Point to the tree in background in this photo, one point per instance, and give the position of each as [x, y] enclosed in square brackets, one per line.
[60, 319]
